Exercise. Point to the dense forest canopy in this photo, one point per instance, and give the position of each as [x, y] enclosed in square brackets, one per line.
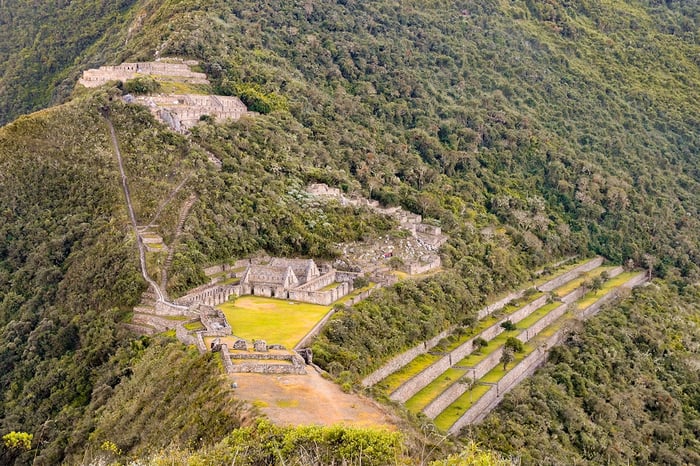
[529, 131]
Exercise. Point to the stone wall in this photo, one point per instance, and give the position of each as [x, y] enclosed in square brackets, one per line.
[422, 379]
[126, 71]
[159, 323]
[397, 362]
[319, 282]
[324, 298]
[528, 365]
[190, 338]
[571, 274]
[313, 333]
[500, 304]
[163, 308]
[416, 268]
[491, 398]
[404, 358]
[295, 366]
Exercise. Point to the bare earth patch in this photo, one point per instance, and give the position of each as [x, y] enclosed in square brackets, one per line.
[309, 399]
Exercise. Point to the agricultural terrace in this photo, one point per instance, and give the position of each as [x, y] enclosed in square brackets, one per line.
[276, 321]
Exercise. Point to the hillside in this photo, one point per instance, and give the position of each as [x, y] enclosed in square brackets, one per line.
[529, 131]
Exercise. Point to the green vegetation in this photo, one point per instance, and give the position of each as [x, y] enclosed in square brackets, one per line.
[264, 443]
[529, 131]
[276, 321]
[421, 399]
[586, 277]
[404, 374]
[621, 389]
[453, 412]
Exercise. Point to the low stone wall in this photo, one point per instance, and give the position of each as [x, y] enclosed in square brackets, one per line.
[188, 338]
[490, 399]
[456, 390]
[528, 365]
[317, 283]
[226, 358]
[158, 323]
[637, 280]
[571, 274]
[162, 308]
[313, 333]
[324, 298]
[404, 358]
[417, 382]
[276, 356]
[500, 304]
[419, 268]
[363, 295]
[397, 362]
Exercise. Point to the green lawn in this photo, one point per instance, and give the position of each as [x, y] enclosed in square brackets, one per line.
[561, 270]
[593, 296]
[395, 380]
[453, 412]
[475, 358]
[194, 326]
[538, 314]
[276, 321]
[575, 283]
[431, 391]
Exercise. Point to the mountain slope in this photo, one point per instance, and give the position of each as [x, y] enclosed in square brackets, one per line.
[528, 130]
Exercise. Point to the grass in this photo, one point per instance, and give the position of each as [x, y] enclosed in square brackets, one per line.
[575, 283]
[593, 296]
[194, 326]
[431, 391]
[273, 320]
[356, 292]
[174, 87]
[453, 412]
[330, 287]
[497, 373]
[538, 314]
[560, 271]
[414, 367]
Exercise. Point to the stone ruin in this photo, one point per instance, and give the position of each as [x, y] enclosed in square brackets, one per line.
[179, 111]
[167, 71]
[418, 252]
[182, 111]
[296, 279]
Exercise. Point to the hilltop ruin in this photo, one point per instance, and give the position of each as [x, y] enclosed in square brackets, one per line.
[179, 111]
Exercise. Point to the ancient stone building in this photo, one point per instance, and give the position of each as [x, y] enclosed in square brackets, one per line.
[179, 72]
[182, 111]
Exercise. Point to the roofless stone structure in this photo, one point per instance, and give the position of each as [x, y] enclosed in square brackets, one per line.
[178, 72]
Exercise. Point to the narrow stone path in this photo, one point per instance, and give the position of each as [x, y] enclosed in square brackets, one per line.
[184, 212]
[168, 200]
[160, 296]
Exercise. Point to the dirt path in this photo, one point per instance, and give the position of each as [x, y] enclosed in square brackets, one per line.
[309, 399]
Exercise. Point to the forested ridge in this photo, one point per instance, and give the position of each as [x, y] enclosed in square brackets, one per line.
[529, 131]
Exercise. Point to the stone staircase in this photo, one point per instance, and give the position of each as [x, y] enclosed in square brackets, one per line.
[182, 218]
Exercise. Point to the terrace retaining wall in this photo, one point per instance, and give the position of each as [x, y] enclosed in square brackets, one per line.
[528, 365]
[571, 274]
[426, 376]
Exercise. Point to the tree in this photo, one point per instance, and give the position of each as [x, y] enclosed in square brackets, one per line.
[514, 344]
[506, 357]
[480, 343]
[508, 325]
